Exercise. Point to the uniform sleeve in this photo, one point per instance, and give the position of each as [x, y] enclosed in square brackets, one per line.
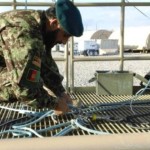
[22, 47]
[51, 76]
[21, 50]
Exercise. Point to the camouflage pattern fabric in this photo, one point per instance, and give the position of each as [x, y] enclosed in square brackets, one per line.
[24, 65]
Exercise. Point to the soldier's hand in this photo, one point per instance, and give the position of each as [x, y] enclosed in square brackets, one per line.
[69, 100]
[67, 97]
[61, 107]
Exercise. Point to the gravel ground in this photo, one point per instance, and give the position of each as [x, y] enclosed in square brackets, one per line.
[85, 70]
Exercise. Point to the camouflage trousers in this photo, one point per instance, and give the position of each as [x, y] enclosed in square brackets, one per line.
[35, 97]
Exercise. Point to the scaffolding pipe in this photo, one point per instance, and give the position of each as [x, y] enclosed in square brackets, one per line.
[110, 4]
[66, 67]
[129, 141]
[122, 34]
[26, 4]
[105, 58]
[71, 65]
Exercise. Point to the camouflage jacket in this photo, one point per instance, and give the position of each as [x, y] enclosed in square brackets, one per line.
[22, 52]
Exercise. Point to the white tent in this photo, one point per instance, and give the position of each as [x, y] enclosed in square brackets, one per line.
[86, 36]
[134, 37]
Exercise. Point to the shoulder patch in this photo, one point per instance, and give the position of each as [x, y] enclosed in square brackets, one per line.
[36, 61]
[33, 75]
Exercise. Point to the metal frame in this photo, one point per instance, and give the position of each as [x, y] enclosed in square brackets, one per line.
[70, 72]
[81, 4]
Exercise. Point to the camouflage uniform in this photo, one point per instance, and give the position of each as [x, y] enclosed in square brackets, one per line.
[26, 63]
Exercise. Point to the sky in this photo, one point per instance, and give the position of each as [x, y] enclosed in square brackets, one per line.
[109, 17]
[95, 18]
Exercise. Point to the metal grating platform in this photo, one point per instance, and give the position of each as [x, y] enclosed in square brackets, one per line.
[117, 124]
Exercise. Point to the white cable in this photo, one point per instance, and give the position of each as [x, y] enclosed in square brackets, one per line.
[89, 130]
[32, 131]
[17, 110]
[140, 92]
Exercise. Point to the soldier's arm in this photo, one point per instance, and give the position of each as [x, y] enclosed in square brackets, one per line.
[51, 76]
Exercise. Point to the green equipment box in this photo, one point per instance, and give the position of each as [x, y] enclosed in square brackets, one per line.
[114, 82]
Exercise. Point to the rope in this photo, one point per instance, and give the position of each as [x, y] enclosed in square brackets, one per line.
[82, 116]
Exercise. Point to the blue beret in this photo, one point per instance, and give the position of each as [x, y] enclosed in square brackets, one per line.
[69, 17]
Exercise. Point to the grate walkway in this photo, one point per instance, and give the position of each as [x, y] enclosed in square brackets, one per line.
[122, 119]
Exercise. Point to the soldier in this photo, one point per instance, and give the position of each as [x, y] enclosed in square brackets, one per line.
[26, 63]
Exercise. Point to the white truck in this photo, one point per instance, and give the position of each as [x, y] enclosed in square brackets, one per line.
[76, 51]
[88, 48]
